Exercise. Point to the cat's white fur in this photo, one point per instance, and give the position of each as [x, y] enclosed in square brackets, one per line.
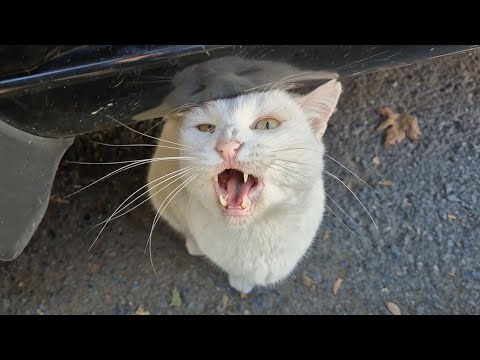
[264, 247]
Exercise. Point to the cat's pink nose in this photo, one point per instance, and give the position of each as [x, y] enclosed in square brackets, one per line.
[227, 150]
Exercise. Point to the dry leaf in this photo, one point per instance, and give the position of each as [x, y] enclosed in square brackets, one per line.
[40, 312]
[393, 308]
[21, 284]
[224, 301]
[376, 160]
[142, 311]
[307, 280]
[176, 299]
[108, 296]
[385, 290]
[398, 127]
[95, 267]
[350, 185]
[326, 235]
[452, 217]
[452, 274]
[386, 183]
[337, 285]
[243, 296]
[59, 200]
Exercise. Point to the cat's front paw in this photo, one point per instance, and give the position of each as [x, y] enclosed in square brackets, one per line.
[192, 247]
[240, 284]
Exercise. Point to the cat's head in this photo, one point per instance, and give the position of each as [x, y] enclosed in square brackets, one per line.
[257, 153]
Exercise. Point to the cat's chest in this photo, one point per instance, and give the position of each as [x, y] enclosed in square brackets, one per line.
[267, 232]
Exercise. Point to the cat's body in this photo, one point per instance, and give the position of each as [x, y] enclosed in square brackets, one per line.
[258, 227]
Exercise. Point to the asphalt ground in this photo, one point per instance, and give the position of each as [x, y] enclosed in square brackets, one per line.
[425, 258]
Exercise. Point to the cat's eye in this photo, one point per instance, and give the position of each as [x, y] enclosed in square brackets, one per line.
[206, 128]
[266, 124]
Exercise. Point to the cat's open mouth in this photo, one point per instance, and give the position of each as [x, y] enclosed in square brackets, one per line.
[237, 191]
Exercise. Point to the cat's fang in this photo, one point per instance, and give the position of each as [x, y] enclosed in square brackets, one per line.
[245, 177]
[223, 201]
[244, 203]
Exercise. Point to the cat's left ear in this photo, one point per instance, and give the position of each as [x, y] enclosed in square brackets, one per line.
[320, 105]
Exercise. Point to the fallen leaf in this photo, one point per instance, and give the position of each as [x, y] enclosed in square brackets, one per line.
[398, 127]
[40, 312]
[108, 296]
[376, 160]
[95, 267]
[452, 217]
[386, 183]
[176, 299]
[59, 200]
[385, 290]
[350, 185]
[407, 203]
[307, 280]
[337, 285]
[452, 274]
[224, 301]
[243, 296]
[393, 308]
[21, 284]
[142, 311]
[326, 235]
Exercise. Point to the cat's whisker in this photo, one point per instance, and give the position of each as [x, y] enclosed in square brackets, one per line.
[276, 82]
[121, 145]
[293, 162]
[343, 210]
[131, 161]
[293, 171]
[350, 171]
[159, 81]
[131, 164]
[306, 75]
[345, 185]
[177, 109]
[159, 214]
[287, 175]
[340, 220]
[182, 173]
[123, 168]
[361, 60]
[138, 145]
[156, 77]
[289, 149]
[105, 222]
[149, 136]
[121, 207]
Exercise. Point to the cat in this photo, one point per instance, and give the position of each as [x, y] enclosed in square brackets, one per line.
[241, 179]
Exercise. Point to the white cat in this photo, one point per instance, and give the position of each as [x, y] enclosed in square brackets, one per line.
[247, 191]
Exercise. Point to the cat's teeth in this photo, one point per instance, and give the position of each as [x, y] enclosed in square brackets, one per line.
[244, 203]
[223, 201]
[245, 177]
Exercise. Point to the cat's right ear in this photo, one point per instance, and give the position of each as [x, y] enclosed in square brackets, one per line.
[320, 104]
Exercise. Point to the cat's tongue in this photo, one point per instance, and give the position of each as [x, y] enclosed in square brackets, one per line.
[237, 189]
